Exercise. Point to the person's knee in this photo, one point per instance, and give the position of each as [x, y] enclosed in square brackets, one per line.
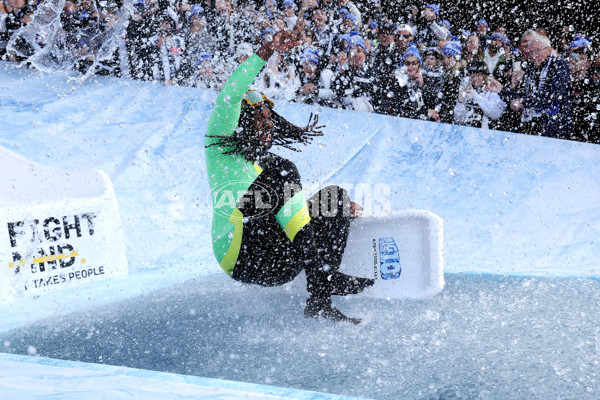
[290, 172]
[331, 201]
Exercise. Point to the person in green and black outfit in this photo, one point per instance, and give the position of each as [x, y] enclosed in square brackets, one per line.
[264, 231]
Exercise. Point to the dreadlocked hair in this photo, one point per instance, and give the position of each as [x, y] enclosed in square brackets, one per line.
[244, 140]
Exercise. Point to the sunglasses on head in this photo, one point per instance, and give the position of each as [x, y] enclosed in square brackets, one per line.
[254, 97]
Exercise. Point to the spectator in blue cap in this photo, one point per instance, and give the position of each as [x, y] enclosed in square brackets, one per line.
[416, 95]
[269, 8]
[451, 54]
[413, 52]
[585, 91]
[349, 23]
[322, 30]
[482, 31]
[355, 40]
[446, 24]
[351, 8]
[429, 8]
[453, 73]
[432, 57]
[482, 27]
[495, 59]
[206, 76]
[289, 9]
[308, 80]
[195, 10]
[580, 42]
[430, 29]
[267, 34]
[197, 40]
[373, 31]
[354, 85]
[203, 57]
[385, 60]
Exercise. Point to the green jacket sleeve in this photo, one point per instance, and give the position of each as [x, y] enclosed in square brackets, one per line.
[229, 176]
[225, 115]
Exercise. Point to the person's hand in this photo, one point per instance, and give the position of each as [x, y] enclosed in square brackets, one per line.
[434, 115]
[308, 88]
[516, 105]
[494, 85]
[517, 78]
[282, 42]
[418, 78]
[356, 210]
[341, 59]
[461, 96]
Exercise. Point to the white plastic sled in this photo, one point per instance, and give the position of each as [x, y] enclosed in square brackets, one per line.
[403, 252]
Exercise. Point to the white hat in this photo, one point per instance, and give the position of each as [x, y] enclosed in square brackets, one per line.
[405, 27]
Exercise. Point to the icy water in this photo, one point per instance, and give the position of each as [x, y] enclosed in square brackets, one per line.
[483, 337]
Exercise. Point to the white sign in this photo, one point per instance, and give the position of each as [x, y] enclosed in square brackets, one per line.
[56, 233]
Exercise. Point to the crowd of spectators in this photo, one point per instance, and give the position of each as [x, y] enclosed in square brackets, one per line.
[351, 57]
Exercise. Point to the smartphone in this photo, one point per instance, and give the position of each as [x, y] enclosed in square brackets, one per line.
[517, 66]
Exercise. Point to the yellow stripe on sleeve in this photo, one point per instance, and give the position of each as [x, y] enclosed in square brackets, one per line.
[298, 221]
[228, 262]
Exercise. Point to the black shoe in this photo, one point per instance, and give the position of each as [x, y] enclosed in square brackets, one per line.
[322, 308]
[342, 284]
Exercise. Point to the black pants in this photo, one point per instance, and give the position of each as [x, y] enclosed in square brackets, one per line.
[268, 258]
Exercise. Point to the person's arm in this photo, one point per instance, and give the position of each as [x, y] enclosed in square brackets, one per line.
[492, 106]
[504, 91]
[224, 118]
[439, 31]
[228, 105]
